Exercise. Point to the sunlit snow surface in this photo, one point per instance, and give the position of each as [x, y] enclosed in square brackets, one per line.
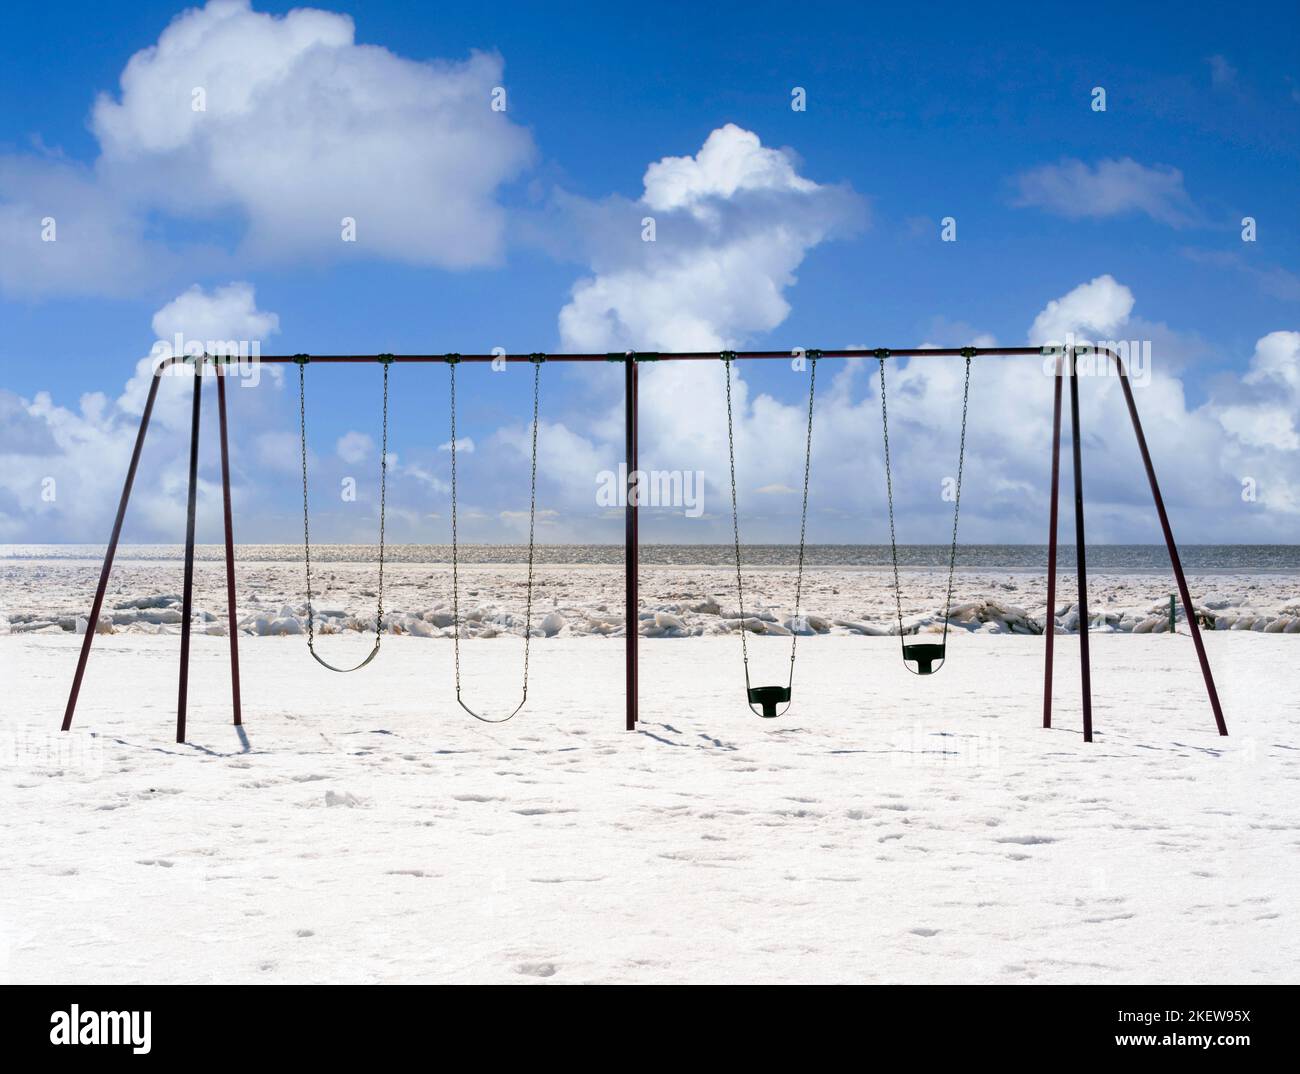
[890, 828]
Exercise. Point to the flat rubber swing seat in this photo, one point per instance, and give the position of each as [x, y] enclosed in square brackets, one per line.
[925, 654]
[769, 697]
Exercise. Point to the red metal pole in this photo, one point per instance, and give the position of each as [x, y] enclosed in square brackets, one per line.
[1049, 624]
[1085, 660]
[222, 370]
[1173, 551]
[675, 356]
[109, 555]
[187, 599]
[631, 541]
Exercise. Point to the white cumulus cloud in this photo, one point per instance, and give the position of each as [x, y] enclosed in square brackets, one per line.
[303, 127]
[1110, 188]
[1266, 416]
[283, 125]
[354, 447]
[1202, 451]
[732, 224]
[212, 316]
[1095, 309]
[84, 448]
[61, 230]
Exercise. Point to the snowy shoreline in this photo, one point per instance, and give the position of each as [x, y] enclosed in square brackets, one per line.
[887, 829]
[681, 601]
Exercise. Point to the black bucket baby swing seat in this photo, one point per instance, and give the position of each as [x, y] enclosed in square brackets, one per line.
[769, 697]
[452, 361]
[302, 361]
[927, 656]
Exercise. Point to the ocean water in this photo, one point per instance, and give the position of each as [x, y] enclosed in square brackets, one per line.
[1102, 558]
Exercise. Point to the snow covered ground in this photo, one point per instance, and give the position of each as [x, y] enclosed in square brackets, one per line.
[362, 828]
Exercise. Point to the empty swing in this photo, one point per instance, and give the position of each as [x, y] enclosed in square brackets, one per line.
[924, 654]
[301, 360]
[452, 361]
[768, 697]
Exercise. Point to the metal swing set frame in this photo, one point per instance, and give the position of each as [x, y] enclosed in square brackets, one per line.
[1065, 368]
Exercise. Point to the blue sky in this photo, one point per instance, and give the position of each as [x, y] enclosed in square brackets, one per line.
[475, 229]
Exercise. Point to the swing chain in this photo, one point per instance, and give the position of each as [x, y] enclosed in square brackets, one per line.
[301, 360]
[386, 361]
[967, 352]
[956, 510]
[727, 358]
[889, 491]
[803, 517]
[537, 360]
[455, 574]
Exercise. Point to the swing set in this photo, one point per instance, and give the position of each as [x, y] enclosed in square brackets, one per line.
[771, 701]
[302, 360]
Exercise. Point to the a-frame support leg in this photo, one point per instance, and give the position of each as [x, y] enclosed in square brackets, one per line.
[1181, 579]
[97, 606]
[1085, 658]
[631, 546]
[231, 611]
[187, 598]
[1049, 624]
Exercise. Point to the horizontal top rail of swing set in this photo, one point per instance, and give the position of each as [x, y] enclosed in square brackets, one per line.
[664, 356]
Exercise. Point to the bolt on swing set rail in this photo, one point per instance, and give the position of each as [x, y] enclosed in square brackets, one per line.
[1065, 367]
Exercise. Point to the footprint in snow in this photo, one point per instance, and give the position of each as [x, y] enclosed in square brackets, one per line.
[536, 969]
[541, 811]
